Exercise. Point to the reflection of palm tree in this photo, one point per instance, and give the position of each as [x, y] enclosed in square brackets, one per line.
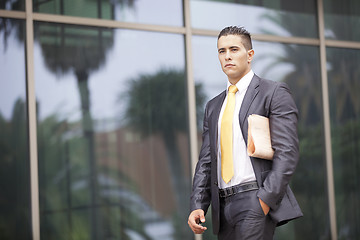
[116, 208]
[344, 100]
[304, 78]
[341, 18]
[14, 175]
[344, 97]
[67, 48]
[13, 4]
[343, 64]
[157, 105]
[7, 25]
[304, 81]
[82, 51]
[344, 74]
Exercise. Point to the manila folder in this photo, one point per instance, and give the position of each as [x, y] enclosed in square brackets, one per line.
[259, 141]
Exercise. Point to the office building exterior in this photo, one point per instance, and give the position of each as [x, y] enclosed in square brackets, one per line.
[101, 107]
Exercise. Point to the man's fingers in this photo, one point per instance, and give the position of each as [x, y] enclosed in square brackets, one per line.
[195, 219]
[196, 228]
[264, 207]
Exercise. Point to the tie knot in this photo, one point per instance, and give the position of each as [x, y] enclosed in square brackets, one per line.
[233, 89]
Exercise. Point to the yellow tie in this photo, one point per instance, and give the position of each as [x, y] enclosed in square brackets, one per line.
[226, 136]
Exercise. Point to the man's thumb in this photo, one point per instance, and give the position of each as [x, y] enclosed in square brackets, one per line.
[202, 218]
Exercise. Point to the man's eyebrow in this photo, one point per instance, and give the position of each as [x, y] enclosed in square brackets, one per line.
[231, 47]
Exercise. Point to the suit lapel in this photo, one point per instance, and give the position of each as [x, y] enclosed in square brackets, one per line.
[249, 97]
[215, 119]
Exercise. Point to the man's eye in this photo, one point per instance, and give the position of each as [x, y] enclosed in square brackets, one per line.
[221, 51]
[234, 49]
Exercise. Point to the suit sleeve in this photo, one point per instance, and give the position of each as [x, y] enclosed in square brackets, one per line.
[201, 192]
[283, 117]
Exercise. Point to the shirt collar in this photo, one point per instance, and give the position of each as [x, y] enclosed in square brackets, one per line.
[243, 83]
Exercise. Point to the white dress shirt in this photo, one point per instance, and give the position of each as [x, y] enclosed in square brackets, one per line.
[243, 169]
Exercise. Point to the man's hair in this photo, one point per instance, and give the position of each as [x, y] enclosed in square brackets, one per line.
[240, 31]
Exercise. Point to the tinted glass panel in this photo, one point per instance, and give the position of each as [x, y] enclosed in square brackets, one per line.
[278, 17]
[299, 67]
[160, 12]
[344, 89]
[15, 213]
[112, 133]
[18, 5]
[342, 18]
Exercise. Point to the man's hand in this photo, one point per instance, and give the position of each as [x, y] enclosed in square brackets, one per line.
[197, 217]
[264, 207]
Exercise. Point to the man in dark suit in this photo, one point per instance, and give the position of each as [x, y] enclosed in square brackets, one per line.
[249, 196]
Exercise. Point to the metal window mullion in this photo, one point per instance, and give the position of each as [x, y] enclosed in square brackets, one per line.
[95, 22]
[265, 38]
[31, 101]
[342, 44]
[190, 87]
[12, 14]
[191, 92]
[327, 129]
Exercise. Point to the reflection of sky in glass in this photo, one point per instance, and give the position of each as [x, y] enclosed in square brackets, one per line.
[207, 69]
[216, 15]
[134, 53]
[12, 74]
[161, 12]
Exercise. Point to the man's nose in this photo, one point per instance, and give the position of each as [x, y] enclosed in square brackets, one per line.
[228, 55]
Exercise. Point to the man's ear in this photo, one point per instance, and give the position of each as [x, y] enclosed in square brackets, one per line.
[250, 54]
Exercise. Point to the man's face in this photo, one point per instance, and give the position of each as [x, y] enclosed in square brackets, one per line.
[235, 60]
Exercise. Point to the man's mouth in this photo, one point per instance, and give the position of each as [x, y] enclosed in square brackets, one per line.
[229, 65]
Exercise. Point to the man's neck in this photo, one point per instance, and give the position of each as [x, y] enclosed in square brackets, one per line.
[236, 80]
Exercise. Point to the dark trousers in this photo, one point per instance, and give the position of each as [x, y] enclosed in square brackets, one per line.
[242, 218]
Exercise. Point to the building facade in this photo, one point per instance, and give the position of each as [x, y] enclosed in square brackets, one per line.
[101, 106]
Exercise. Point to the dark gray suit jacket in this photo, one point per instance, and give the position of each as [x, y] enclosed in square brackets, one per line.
[272, 100]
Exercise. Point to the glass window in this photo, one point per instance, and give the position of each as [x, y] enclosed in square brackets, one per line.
[299, 67]
[18, 5]
[344, 88]
[283, 18]
[160, 12]
[112, 133]
[15, 212]
[342, 18]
